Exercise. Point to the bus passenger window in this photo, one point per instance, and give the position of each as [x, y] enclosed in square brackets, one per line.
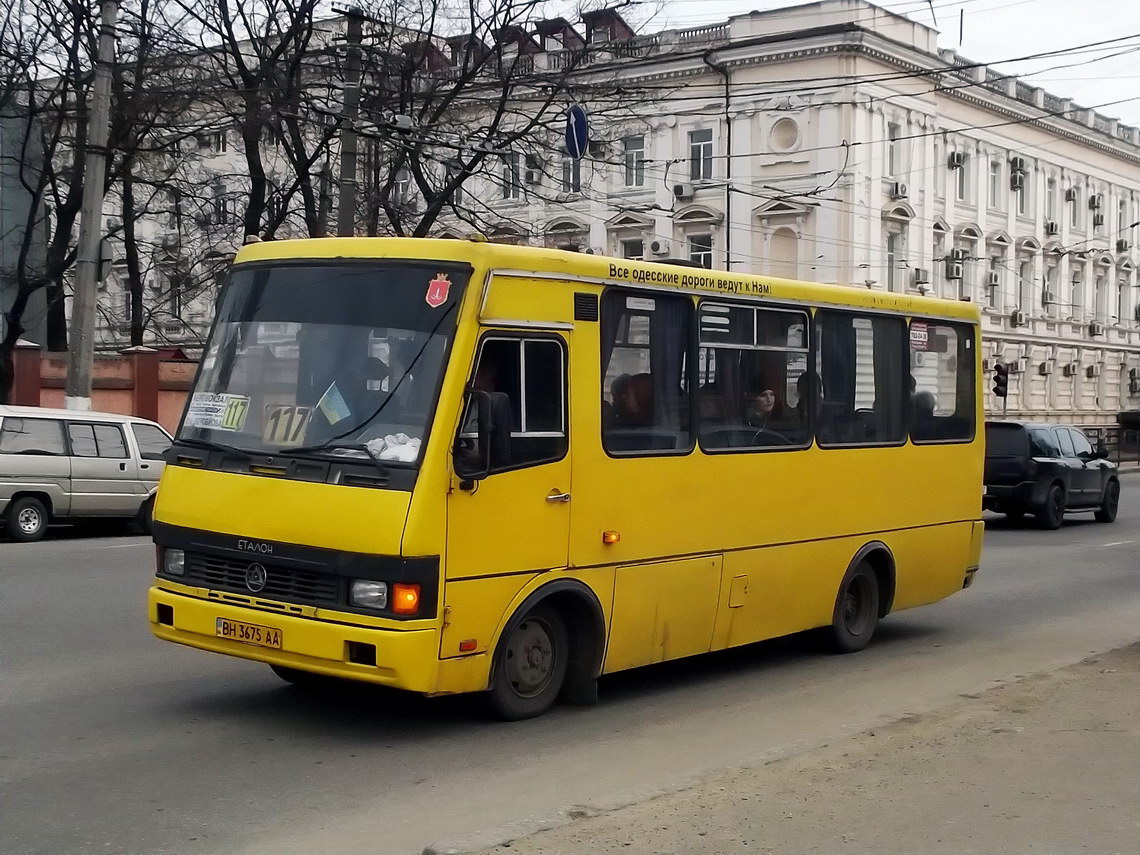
[645, 388]
[941, 382]
[862, 383]
[751, 372]
[527, 378]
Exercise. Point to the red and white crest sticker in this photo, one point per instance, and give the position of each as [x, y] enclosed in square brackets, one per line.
[437, 290]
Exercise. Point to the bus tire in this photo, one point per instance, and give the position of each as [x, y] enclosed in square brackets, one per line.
[297, 677]
[530, 665]
[856, 612]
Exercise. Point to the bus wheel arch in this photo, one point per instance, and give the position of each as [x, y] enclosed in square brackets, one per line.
[882, 561]
[581, 614]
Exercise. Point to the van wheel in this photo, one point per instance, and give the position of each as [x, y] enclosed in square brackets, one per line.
[144, 519]
[1051, 514]
[27, 519]
[856, 612]
[1107, 510]
[530, 665]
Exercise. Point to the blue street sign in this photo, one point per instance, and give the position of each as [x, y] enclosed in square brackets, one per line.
[577, 132]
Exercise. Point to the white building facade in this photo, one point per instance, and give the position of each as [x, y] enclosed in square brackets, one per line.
[835, 142]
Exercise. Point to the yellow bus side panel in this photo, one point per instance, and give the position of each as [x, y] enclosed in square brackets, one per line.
[931, 562]
[475, 609]
[532, 300]
[784, 589]
[662, 611]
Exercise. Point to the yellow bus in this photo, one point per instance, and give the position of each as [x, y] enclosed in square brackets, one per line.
[456, 466]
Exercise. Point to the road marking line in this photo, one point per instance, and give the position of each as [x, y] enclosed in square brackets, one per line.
[1119, 542]
[129, 545]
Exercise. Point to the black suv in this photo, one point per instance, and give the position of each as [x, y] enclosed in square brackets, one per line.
[1046, 470]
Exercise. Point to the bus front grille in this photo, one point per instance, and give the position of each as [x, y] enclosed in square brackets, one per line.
[283, 583]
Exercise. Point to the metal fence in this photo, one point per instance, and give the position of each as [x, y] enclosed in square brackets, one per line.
[1122, 444]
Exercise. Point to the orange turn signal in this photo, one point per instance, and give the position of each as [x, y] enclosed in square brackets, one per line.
[467, 645]
[610, 537]
[405, 599]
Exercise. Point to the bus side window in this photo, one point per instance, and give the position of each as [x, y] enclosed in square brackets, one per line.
[862, 378]
[941, 382]
[530, 376]
[645, 366]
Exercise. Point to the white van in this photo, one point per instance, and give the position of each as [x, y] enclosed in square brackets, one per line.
[68, 465]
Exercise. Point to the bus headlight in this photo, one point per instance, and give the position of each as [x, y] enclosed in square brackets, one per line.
[368, 594]
[174, 562]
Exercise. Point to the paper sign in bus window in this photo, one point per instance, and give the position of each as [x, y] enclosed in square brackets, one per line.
[285, 425]
[217, 411]
[333, 405]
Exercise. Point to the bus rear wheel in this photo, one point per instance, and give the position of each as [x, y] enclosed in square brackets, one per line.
[530, 665]
[856, 612]
[297, 677]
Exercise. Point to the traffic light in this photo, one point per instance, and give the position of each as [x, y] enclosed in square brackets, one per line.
[1001, 379]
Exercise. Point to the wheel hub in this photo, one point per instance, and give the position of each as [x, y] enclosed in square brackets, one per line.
[28, 520]
[530, 658]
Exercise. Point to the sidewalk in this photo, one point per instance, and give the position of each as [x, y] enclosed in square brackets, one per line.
[1048, 766]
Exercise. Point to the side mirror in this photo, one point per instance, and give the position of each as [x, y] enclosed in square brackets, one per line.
[492, 412]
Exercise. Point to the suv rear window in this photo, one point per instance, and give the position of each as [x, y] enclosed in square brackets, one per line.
[1005, 441]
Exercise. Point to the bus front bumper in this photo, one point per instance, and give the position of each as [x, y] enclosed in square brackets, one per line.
[405, 659]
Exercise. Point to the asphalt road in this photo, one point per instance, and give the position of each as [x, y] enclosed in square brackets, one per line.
[113, 742]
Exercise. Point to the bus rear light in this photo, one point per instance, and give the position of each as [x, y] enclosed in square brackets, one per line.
[405, 599]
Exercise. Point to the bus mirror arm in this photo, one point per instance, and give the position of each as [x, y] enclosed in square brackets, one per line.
[492, 420]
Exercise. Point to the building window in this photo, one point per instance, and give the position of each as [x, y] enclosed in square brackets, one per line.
[997, 186]
[994, 276]
[1101, 307]
[962, 180]
[894, 241]
[701, 250]
[1023, 197]
[1122, 223]
[701, 154]
[571, 174]
[1078, 296]
[633, 249]
[939, 160]
[1024, 283]
[1075, 209]
[1051, 199]
[1049, 297]
[634, 154]
[894, 150]
[512, 175]
[1121, 299]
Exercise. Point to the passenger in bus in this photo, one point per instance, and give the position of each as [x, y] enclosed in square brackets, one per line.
[634, 405]
[610, 407]
[759, 404]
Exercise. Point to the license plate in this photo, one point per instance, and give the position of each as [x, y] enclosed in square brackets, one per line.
[248, 633]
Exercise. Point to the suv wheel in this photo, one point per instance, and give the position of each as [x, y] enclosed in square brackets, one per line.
[1051, 514]
[27, 519]
[1107, 511]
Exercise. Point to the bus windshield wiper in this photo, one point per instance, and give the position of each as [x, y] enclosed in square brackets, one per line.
[326, 450]
[210, 445]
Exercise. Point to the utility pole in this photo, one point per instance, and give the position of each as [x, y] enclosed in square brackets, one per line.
[82, 355]
[346, 204]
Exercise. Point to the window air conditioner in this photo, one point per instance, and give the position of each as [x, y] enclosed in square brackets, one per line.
[659, 247]
[683, 192]
[899, 190]
[1017, 318]
[1092, 371]
[1045, 369]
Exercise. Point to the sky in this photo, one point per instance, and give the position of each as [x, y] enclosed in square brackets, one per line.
[993, 30]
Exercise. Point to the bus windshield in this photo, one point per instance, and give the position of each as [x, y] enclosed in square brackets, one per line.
[327, 358]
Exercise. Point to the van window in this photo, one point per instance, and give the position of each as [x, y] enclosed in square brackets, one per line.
[863, 389]
[89, 440]
[645, 364]
[31, 436]
[941, 381]
[1005, 440]
[152, 442]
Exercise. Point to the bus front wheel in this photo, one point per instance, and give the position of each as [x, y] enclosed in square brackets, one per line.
[530, 665]
[856, 611]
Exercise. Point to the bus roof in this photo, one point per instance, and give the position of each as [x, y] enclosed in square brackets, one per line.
[602, 270]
